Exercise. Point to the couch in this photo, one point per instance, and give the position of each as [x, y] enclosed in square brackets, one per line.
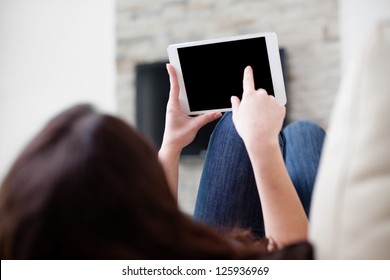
[350, 214]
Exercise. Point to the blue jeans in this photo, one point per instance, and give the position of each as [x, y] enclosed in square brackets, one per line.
[228, 195]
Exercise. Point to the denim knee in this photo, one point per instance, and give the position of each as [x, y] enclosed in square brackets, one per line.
[305, 127]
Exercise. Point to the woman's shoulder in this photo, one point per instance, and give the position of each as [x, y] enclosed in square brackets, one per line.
[297, 251]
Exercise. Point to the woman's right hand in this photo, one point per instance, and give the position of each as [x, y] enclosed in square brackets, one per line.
[258, 117]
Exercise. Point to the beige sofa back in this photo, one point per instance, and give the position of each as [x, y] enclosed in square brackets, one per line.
[350, 216]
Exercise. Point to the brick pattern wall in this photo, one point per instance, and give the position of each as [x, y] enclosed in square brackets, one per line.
[308, 29]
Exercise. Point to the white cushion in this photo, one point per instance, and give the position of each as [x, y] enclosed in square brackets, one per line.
[350, 215]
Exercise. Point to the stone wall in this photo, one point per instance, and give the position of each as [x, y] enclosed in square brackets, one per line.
[307, 29]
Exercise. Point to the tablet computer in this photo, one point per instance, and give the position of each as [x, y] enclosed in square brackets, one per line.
[209, 72]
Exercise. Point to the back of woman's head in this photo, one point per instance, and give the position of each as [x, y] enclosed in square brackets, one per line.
[81, 188]
[89, 186]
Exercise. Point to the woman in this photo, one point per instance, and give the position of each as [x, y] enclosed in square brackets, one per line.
[90, 187]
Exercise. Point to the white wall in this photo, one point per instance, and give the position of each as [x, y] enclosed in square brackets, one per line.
[357, 19]
[53, 54]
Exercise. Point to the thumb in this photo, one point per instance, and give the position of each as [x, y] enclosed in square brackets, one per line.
[174, 85]
[235, 103]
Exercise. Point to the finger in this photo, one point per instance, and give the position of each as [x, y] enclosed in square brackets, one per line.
[204, 119]
[262, 91]
[248, 82]
[174, 91]
[235, 103]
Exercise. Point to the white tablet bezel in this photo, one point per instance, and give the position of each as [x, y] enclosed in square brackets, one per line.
[274, 63]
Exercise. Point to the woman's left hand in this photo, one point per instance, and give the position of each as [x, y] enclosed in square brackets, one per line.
[180, 129]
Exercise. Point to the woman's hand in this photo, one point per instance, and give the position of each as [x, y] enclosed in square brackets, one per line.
[258, 117]
[180, 129]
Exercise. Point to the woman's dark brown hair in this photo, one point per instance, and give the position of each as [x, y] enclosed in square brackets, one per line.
[90, 187]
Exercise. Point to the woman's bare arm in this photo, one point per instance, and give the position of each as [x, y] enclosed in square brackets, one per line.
[258, 118]
[180, 131]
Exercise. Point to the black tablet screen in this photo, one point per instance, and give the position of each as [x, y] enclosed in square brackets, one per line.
[213, 73]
